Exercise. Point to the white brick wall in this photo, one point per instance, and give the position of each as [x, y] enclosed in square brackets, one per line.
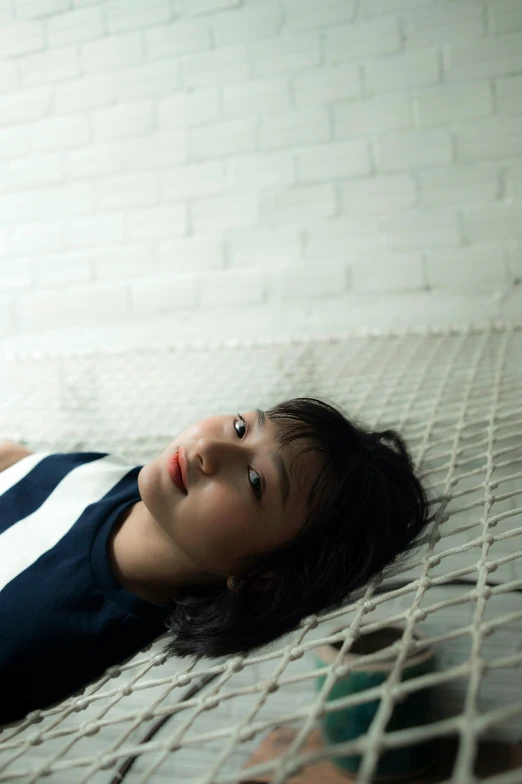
[216, 156]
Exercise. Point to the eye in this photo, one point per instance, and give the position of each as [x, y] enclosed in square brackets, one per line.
[241, 422]
[256, 484]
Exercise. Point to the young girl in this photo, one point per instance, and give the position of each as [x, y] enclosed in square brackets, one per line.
[244, 525]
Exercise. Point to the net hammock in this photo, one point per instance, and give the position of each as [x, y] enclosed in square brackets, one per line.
[455, 395]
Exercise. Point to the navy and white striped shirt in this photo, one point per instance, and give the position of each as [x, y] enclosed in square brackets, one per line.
[64, 618]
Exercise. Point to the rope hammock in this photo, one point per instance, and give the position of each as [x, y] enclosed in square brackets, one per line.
[455, 396]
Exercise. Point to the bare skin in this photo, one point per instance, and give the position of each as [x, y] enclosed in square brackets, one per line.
[171, 539]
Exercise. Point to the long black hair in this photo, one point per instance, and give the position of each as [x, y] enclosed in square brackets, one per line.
[365, 507]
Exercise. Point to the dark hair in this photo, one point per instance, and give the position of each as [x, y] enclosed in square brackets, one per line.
[366, 507]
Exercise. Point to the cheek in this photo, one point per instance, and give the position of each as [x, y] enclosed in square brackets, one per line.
[216, 529]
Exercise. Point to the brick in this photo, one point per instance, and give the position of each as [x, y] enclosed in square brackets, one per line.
[493, 137]
[259, 96]
[15, 142]
[333, 161]
[91, 230]
[108, 54]
[248, 24]
[294, 128]
[229, 288]
[126, 190]
[148, 80]
[178, 38]
[400, 73]
[228, 212]
[125, 15]
[388, 271]
[514, 262]
[362, 118]
[75, 26]
[505, 16]
[408, 230]
[34, 172]
[445, 22]
[424, 147]
[223, 139]
[492, 222]
[15, 274]
[193, 181]
[8, 76]
[32, 9]
[66, 199]
[495, 56]
[379, 7]
[196, 107]
[58, 133]
[34, 237]
[24, 106]
[457, 184]
[89, 92]
[155, 150]
[7, 15]
[309, 282]
[194, 253]
[73, 307]
[21, 38]
[509, 95]
[215, 68]
[162, 220]
[326, 85]
[378, 194]
[17, 207]
[265, 170]
[297, 206]
[118, 263]
[514, 180]
[266, 248]
[362, 39]
[201, 7]
[287, 52]
[164, 294]
[57, 65]
[119, 122]
[95, 160]
[4, 241]
[61, 269]
[7, 320]
[453, 103]
[344, 239]
[471, 268]
[302, 14]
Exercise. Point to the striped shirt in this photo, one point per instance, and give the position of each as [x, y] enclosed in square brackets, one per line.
[64, 618]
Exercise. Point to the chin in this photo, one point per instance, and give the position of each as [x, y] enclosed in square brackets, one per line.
[154, 491]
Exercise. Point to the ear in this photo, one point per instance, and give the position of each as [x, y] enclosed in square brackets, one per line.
[261, 582]
[252, 585]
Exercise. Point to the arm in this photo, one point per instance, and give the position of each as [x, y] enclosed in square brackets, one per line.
[11, 453]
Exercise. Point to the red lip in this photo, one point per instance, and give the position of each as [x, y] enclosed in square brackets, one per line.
[183, 467]
[175, 471]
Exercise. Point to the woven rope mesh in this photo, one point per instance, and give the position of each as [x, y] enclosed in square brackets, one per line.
[455, 396]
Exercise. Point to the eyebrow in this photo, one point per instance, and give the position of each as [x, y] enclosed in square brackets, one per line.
[278, 460]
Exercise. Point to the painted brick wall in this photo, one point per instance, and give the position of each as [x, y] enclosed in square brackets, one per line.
[173, 159]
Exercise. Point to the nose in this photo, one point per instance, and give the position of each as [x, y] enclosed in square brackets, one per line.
[212, 453]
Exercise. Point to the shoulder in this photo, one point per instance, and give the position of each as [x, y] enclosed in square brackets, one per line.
[10, 453]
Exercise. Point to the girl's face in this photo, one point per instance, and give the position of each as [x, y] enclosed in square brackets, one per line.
[244, 494]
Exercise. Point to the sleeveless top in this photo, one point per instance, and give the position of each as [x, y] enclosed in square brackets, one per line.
[64, 618]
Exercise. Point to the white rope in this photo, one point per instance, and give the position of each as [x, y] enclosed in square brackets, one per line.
[454, 393]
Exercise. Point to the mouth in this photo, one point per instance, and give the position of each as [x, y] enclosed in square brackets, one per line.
[176, 468]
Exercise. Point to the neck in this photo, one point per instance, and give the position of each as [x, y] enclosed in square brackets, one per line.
[145, 560]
